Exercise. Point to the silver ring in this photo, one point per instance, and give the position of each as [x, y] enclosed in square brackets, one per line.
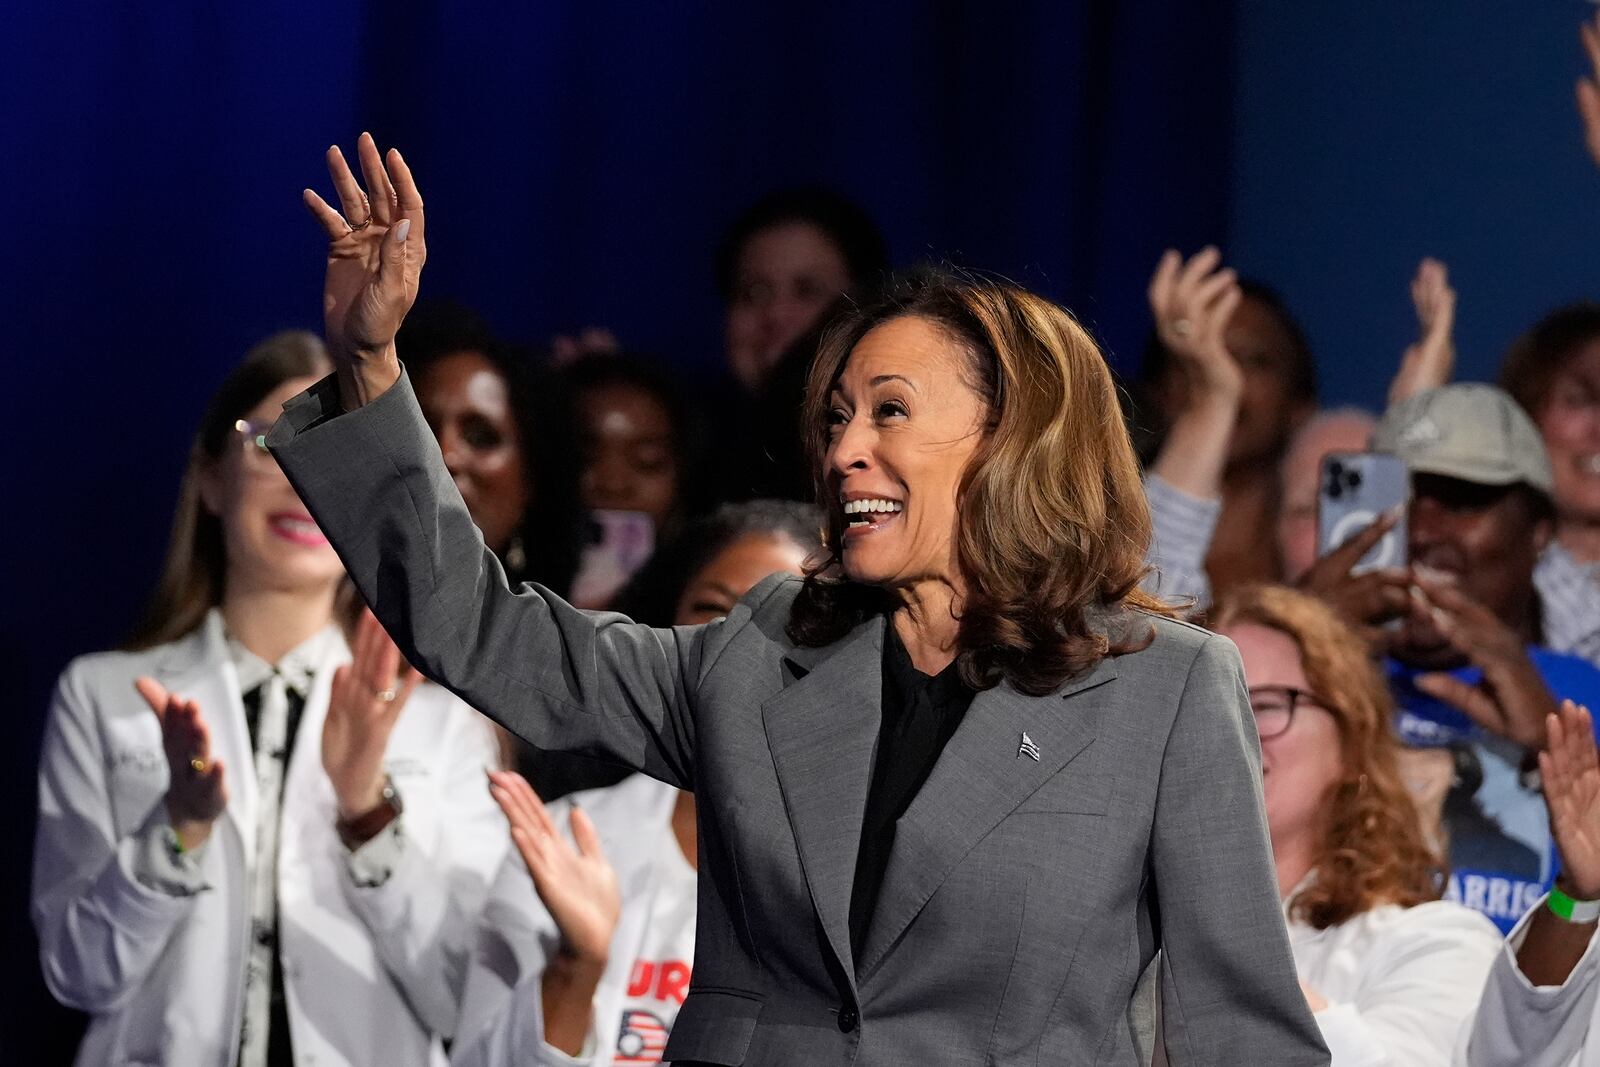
[1182, 328]
[386, 695]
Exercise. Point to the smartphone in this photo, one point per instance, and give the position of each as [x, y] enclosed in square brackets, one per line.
[617, 545]
[1357, 488]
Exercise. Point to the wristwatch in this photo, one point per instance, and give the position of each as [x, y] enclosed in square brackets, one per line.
[1573, 911]
[359, 830]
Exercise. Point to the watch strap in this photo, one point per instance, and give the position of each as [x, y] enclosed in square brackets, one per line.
[369, 824]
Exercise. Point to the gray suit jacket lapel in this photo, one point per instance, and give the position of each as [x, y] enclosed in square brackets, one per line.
[979, 779]
[822, 729]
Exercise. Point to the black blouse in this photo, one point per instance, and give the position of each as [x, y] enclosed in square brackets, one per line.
[920, 714]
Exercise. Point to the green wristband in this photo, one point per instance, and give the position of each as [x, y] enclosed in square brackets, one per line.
[1570, 910]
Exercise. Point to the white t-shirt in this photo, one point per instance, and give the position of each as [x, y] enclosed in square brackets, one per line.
[1400, 983]
[659, 981]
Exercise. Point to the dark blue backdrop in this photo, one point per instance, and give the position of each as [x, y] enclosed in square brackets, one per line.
[579, 161]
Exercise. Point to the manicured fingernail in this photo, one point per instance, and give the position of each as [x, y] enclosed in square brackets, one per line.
[403, 230]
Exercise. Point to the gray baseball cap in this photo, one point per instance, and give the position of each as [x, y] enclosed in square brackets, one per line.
[1470, 431]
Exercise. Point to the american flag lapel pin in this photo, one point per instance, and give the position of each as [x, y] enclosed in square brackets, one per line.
[1028, 748]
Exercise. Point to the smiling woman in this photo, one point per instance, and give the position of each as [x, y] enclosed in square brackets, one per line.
[221, 864]
[958, 786]
[974, 407]
[507, 438]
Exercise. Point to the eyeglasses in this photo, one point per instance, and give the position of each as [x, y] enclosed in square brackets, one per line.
[1274, 707]
[253, 436]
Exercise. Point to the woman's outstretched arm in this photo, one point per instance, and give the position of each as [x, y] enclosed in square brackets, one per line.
[363, 459]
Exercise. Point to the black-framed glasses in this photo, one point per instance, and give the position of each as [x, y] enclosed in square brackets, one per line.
[1274, 707]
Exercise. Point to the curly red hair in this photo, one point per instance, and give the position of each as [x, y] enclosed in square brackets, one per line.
[1375, 851]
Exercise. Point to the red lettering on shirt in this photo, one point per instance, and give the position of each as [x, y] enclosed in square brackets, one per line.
[639, 982]
[674, 981]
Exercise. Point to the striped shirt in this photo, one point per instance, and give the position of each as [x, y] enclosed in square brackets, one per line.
[1569, 597]
[1181, 527]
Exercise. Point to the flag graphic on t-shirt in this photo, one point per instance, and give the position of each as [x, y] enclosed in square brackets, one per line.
[643, 1038]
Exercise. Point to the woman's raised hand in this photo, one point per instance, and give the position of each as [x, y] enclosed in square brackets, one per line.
[1192, 303]
[578, 885]
[364, 703]
[376, 249]
[1430, 361]
[1569, 771]
[1589, 88]
[196, 790]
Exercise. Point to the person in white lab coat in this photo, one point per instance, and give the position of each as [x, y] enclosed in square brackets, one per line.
[1391, 972]
[586, 947]
[253, 849]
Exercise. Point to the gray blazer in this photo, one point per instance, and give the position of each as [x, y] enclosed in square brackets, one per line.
[1023, 898]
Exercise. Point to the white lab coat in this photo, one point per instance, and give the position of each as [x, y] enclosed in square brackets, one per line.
[372, 975]
[501, 1021]
[1520, 1024]
[1401, 983]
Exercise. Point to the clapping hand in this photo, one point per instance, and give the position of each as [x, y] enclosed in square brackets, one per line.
[376, 250]
[364, 703]
[196, 790]
[1192, 303]
[1430, 361]
[578, 885]
[1512, 700]
[1570, 773]
[1589, 88]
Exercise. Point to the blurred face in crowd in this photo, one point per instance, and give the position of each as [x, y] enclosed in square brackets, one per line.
[631, 459]
[784, 278]
[468, 406]
[903, 425]
[1268, 408]
[1302, 759]
[1483, 538]
[1569, 420]
[270, 540]
[1269, 411]
[1300, 478]
[735, 571]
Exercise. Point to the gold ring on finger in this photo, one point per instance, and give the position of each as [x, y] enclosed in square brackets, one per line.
[1182, 328]
[358, 228]
[386, 695]
[197, 765]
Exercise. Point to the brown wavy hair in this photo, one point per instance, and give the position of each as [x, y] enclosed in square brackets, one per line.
[192, 573]
[1375, 852]
[1052, 525]
[1537, 357]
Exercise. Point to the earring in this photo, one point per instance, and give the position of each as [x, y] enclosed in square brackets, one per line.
[516, 558]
